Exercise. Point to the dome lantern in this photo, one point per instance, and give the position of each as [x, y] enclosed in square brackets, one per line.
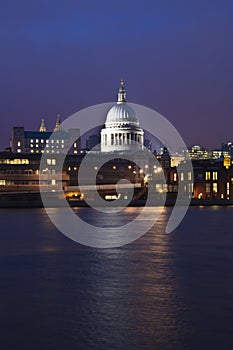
[121, 93]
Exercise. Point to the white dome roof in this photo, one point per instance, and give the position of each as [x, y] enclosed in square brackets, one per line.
[121, 113]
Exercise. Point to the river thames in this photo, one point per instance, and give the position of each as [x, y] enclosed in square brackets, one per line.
[164, 291]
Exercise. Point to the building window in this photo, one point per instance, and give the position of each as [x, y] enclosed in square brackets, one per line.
[207, 188]
[37, 140]
[182, 177]
[207, 175]
[189, 176]
[18, 150]
[53, 182]
[215, 187]
[42, 141]
[2, 182]
[228, 188]
[215, 175]
[51, 161]
[175, 177]
[18, 143]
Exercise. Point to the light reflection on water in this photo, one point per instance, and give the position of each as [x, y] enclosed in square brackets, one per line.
[164, 291]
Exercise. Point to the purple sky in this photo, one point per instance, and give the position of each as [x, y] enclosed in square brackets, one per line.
[175, 57]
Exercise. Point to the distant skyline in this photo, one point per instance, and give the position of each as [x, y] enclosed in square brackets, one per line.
[175, 57]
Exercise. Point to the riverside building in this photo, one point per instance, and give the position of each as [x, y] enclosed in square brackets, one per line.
[38, 142]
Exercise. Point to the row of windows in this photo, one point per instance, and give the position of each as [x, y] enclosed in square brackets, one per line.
[14, 161]
[175, 177]
[214, 187]
[214, 175]
[42, 141]
[17, 182]
[20, 171]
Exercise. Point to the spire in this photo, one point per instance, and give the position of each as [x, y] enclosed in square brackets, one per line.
[42, 126]
[58, 123]
[121, 93]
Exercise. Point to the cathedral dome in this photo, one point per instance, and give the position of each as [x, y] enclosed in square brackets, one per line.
[121, 113]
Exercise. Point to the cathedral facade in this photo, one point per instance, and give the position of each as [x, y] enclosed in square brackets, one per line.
[121, 132]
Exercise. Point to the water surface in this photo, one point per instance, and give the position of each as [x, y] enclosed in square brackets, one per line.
[164, 291]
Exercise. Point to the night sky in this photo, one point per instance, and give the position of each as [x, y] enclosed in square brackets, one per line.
[175, 57]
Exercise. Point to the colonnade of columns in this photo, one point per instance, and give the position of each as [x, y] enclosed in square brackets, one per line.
[122, 138]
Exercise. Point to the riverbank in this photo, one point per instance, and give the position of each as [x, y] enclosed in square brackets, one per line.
[33, 200]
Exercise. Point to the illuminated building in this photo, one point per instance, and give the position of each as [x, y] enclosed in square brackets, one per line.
[20, 173]
[213, 179]
[198, 152]
[39, 141]
[121, 131]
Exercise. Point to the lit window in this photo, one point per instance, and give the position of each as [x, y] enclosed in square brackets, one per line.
[18, 143]
[215, 175]
[37, 140]
[32, 151]
[228, 188]
[53, 182]
[75, 152]
[53, 161]
[207, 175]
[175, 176]
[75, 145]
[57, 141]
[47, 141]
[189, 176]
[31, 145]
[62, 141]
[19, 150]
[182, 177]
[32, 140]
[2, 182]
[37, 146]
[215, 187]
[52, 141]
[75, 168]
[42, 141]
[114, 167]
